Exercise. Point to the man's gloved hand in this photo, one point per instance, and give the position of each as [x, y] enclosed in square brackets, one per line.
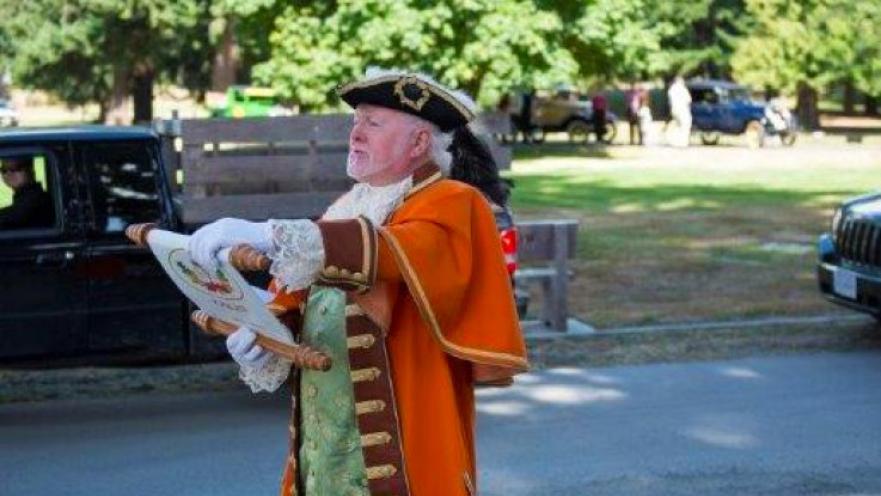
[245, 351]
[209, 239]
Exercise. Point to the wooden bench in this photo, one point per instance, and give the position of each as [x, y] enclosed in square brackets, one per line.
[546, 247]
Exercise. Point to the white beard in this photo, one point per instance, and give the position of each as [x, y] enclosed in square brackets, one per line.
[374, 202]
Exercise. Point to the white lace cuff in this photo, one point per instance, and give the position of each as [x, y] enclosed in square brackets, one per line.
[267, 378]
[297, 253]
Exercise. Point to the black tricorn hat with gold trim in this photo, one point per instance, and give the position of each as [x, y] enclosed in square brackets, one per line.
[414, 94]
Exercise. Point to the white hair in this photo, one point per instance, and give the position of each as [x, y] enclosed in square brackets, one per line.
[440, 142]
[440, 149]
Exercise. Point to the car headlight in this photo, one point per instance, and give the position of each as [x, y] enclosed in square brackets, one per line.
[836, 222]
[825, 247]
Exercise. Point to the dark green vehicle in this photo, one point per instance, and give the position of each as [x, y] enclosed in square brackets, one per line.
[249, 101]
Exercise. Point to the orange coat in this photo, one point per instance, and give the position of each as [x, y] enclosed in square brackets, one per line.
[452, 324]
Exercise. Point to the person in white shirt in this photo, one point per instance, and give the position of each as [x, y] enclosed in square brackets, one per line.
[680, 110]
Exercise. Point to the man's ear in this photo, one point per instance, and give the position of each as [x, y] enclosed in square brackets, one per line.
[422, 141]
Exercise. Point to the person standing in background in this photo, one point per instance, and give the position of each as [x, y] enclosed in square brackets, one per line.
[599, 104]
[634, 102]
[680, 111]
[644, 116]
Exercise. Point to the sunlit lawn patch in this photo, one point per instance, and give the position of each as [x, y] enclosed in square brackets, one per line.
[705, 233]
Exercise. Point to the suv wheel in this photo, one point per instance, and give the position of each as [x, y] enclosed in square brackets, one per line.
[710, 137]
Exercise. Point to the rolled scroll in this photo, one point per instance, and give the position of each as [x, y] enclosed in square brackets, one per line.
[242, 257]
[301, 356]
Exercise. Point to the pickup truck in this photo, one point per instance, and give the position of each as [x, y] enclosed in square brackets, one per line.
[79, 288]
[245, 101]
[78, 291]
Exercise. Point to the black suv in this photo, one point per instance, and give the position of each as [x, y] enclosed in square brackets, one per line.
[849, 269]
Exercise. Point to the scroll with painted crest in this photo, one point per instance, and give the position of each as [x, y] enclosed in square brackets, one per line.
[225, 299]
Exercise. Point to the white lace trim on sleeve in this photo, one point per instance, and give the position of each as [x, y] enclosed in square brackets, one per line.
[297, 253]
[267, 378]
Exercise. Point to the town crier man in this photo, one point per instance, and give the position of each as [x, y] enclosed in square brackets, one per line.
[402, 282]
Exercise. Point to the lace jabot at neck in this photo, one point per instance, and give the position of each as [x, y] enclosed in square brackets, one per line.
[374, 202]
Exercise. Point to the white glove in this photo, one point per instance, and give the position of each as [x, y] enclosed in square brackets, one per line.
[208, 240]
[244, 350]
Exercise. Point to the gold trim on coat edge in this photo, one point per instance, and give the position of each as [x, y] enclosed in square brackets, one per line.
[437, 176]
[365, 245]
[371, 277]
[469, 485]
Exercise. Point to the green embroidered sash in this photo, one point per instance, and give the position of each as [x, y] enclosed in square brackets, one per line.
[331, 460]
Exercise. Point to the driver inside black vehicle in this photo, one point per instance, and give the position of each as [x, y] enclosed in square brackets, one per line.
[31, 205]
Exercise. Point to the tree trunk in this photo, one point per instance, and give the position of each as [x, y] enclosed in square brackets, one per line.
[850, 97]
[116, 112]
[102, 112]
[871, 105]
[807, 107]
[226, 60]
[143, 97]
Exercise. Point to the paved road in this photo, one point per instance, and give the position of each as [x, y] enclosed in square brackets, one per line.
[799, 425]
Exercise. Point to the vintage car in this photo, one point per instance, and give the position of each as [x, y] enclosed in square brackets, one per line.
[249, 101]
[723, 107]
[849, 267]
[559, 112]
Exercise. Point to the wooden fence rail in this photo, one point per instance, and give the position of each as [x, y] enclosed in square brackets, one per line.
[289, 167]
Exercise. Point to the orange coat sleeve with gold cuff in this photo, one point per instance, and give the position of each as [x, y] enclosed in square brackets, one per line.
[445, 246]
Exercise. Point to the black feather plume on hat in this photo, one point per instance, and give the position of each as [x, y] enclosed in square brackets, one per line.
[474, 164]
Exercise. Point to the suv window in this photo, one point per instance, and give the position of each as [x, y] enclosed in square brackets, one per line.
[122, 177]
[704, 95]
[27, 200]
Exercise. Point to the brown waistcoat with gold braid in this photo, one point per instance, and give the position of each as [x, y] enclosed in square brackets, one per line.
[350, 265]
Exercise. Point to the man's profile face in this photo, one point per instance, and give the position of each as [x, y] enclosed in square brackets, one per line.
[381, 145]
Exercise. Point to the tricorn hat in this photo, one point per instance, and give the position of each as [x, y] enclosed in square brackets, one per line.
[412, 93]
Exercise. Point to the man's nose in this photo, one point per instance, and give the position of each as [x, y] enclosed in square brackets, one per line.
[357, 135]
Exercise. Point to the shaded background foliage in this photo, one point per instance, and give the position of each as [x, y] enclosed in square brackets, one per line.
[107, 50]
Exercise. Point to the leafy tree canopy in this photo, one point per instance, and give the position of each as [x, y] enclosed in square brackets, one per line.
[88, 50]
[812, 42]
[483, 46]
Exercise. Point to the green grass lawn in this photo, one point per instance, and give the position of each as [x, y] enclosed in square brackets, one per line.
[672, 235]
